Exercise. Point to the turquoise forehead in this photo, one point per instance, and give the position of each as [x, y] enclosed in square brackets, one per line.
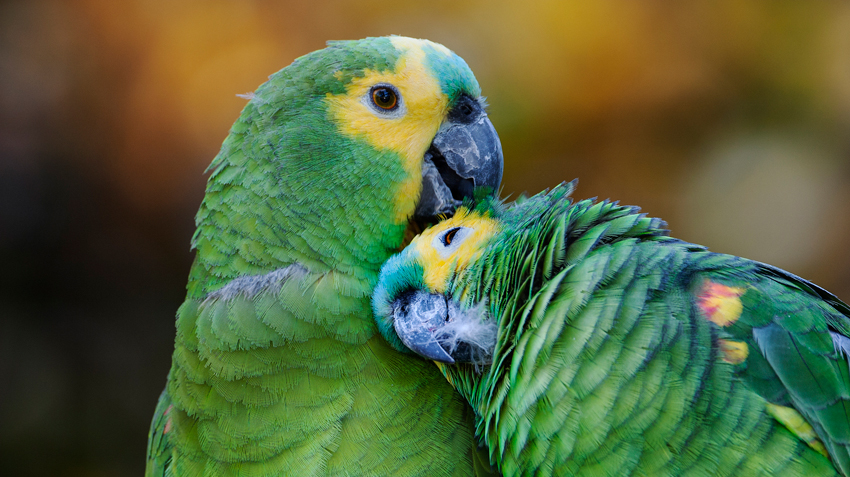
[350, 59]
[330, 70]
[451, 71]
[399, 274]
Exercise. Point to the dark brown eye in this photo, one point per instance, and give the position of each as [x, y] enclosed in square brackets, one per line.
[384, 97]
[450, 235]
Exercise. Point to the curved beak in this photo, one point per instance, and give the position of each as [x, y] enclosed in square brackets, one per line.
[417, 317]
[435, 327]
[466, 154]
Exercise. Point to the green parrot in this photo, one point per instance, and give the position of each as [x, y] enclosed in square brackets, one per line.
[278, 366]
[589, 342]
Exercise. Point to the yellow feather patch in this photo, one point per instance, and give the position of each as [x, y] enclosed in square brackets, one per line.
[795, 423]
[734, 352]
[437, 268]
[720, 304]
[410, 133]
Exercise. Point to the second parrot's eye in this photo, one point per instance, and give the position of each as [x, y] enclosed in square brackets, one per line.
[449, 236]
[447, 243]
[385, 97]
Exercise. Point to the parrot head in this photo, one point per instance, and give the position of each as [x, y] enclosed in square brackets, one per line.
[334, 158]
[413, 301]
[426, 106]
[442, 295]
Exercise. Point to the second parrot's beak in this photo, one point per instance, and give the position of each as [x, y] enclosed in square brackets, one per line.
[417, 317]
[436, 328]
[465, 155]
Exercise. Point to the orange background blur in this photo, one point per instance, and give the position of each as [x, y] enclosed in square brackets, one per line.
[730, 119]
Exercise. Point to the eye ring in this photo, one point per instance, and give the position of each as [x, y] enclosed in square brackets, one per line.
[447, 242]
[384, 97]
[449, 236]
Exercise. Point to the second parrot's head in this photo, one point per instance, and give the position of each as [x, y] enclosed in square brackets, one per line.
[414, 301]
[447, 295]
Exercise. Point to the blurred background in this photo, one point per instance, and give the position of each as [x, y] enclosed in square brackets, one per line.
[729, 119]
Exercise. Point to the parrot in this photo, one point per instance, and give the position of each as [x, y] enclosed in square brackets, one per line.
[278, 367]
[590, 342]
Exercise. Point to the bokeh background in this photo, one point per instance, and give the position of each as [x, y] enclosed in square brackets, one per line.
[730, 119]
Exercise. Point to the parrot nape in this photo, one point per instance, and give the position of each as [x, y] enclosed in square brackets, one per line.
[278, 366]
[589, 342]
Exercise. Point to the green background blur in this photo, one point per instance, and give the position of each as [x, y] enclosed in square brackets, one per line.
[729, 119]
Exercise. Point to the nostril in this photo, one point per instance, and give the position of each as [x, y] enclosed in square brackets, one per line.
[465, 110]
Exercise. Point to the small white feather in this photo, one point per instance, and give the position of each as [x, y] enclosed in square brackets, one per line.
[472, 326]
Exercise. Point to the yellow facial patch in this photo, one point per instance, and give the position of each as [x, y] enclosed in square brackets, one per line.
[720, 304]
[437, 265]
[409, 133]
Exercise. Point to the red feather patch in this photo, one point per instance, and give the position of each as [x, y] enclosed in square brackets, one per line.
[719, 303]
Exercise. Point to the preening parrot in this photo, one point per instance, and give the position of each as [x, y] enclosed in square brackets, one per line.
[589, 342]
[278, 367]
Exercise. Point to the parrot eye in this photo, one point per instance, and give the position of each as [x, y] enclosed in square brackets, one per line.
[384, 100]
[449, 236]
[448, 242]
[384, 97]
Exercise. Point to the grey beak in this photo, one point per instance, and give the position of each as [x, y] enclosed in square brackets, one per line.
[466, 154]
[436, 327]
[417, 318]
